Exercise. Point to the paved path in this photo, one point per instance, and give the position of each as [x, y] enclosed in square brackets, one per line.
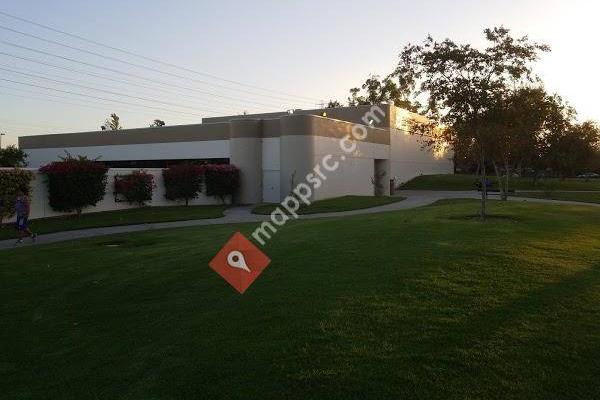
[243, 214]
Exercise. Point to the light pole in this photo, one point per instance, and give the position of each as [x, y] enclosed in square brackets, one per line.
[1, 134]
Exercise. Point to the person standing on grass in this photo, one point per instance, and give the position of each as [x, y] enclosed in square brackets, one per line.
[22, 209]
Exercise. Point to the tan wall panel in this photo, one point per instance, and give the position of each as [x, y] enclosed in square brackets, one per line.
[165, 134]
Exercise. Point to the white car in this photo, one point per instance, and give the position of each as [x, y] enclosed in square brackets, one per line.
[589, 175]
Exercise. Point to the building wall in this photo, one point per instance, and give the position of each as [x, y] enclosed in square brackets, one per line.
[408, 158]
[245, 147]
[355, 172]
[271, 169]
[301, 153]
[274, 151]
[41, 209]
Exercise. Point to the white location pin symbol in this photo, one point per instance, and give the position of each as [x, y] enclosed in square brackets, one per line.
[235, 259]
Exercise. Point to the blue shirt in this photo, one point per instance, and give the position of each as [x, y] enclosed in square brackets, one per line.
[21, 206]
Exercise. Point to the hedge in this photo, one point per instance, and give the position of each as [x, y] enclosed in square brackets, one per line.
[185, 181]
[135, 187]
[11, 181]
[75, 183]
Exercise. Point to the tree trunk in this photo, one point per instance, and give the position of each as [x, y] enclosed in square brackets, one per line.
[507, 172]
[483, 188]
[499, 178]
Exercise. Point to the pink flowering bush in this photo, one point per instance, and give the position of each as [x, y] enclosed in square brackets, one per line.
[221, 180]
[75, 183]
[183, 181]
[136, 187]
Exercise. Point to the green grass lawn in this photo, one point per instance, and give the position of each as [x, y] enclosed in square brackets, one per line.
[570, 196]
[121, 217]
[467, 182]
[440, 306]
[337, 204]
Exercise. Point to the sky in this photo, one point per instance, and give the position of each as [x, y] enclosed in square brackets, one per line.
[226, 57]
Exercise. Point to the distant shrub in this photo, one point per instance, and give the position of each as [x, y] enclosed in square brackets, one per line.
[221, 180]
[11, 181]
[12, 156]
[75, 183]
[183, 181]
[135, 187]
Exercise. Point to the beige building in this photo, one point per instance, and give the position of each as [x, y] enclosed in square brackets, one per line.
[274, 151]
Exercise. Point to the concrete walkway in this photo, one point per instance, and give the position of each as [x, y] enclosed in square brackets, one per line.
[243, 214]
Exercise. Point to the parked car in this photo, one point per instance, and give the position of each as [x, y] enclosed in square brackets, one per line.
[589, 175]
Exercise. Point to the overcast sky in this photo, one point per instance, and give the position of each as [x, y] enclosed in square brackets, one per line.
[269, 55]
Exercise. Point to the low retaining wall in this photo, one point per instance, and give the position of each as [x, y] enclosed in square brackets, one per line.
[41, 209]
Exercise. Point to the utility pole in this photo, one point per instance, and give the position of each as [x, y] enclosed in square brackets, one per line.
[1, 134]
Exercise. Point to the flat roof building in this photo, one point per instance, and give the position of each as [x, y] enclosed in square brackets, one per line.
[274, 151]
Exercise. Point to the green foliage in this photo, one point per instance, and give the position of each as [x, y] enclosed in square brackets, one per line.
[183, 181]
[135, 187]
[75, 183]
[377, 91]
[12, 156]
[11, 182]
[573, 149]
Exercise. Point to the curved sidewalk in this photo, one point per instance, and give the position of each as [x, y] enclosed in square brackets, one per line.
[236, 215]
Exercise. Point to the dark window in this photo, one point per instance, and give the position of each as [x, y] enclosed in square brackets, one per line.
[161, 163]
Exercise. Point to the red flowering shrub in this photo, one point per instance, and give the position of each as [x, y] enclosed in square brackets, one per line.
[135, 187]
[221, 180]
[183, 181]
[75, 183]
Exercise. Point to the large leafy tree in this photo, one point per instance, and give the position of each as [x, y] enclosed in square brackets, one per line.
[461, 84]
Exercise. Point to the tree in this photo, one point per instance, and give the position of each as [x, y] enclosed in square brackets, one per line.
[333, 104]
[461, 84]
[112, 123]
[518, 122]
[376, 91]
[157, 123]
[573, 150]
[12, 156]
